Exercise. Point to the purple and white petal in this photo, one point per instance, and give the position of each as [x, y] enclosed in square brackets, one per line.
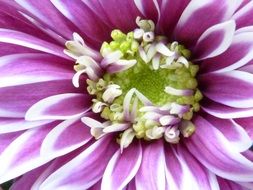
[215, 40]
[20, 156]
[236, 56]
[199, 15]
[151, 174]
[216, 154]
[85, 169]
[224, 91]
[59, 141]
[54, 107]
[122, 167]
[225, 112]
[236, 134]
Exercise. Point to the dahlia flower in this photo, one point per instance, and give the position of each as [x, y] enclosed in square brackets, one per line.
[131, 94]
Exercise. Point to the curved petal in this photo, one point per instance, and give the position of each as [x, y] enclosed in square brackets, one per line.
[122, 14]
[10, 125]
[59, 141]
[20, 69]
[237, 135]
[86, 20]
[42, 12]
[85, 169]
[199, 15]
[6, 139]
[215, 40]
[27, 180]
[59, 107]
[225, 112]
[122, 167]
[237, 55]
[13, 17]
[23, 154]
[216, 153]
[16, 100]
[26, 40]
[170, 13]
[195, 175]
[247, 124]
[148, 8]
[243, 16]
[151, 174]
[229, 185]
[234, 88]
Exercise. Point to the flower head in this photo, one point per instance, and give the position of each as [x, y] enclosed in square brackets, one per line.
[126, 94]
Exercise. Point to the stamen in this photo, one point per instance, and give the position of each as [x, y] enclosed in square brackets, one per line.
[142, 86]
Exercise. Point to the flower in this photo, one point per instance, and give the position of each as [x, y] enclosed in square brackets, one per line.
[126, 94]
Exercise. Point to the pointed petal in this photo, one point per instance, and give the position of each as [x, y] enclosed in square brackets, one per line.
[215, 40]
[22, 39]
[247, 124]
[59, 141]
[20, 69]
[85, 169]
[122, 167]
[10, 125]
[198, 16]
[236, 135]
[170, 13]
[225, 112]
[23, 154]
[237, 55]
[16, 100]
[151, 174]
[54, 107]
[213, 150]
[243, 16]
[27, 180]
[234, 88]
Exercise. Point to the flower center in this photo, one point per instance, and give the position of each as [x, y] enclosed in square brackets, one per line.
[143, 86]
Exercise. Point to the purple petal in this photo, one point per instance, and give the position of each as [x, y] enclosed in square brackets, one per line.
[148, 8]
[215, 40]
[199, 15]
[195, 175]
[170, 13]
[86, 20]
[237, 135]
[122, 14]
[59, 107]
[9, 125]
[16, 100]
[233, 88]
[85, 169]
[225, 112]
[23, 153]
[6, 139]
[237, 55]
[151, 174]
[216, 153]
[173, 170]
[243, 16]
[59, 141]
[27, 180]
[14, 17]
[22, 39]
[229, 185]
[122, 167]
[19, 69]
[42, 13]
[247, 124]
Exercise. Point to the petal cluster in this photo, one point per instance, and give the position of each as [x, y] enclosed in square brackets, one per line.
[45, 145]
